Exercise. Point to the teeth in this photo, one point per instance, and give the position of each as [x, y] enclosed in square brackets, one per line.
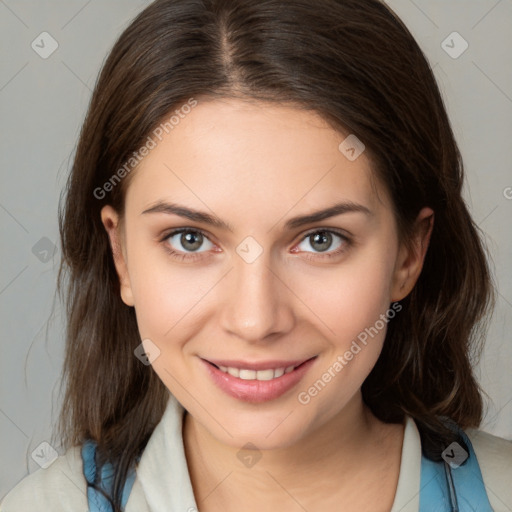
[245, 374]
[264, 374]
[234, 371]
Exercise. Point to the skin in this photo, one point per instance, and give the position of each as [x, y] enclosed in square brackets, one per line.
[255, 166]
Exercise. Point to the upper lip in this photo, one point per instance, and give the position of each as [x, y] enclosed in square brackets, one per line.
[258, 365]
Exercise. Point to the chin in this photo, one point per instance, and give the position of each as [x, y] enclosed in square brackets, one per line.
[265, 431]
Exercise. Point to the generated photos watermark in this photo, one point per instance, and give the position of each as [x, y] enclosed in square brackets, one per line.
[304, 397]
[151, 143]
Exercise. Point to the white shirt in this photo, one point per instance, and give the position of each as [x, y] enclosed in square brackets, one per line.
[163, 483]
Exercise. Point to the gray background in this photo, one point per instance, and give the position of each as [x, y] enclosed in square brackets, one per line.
[42, 105]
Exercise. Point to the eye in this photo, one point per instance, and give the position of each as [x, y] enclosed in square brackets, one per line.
[322, 240]
[187, 241]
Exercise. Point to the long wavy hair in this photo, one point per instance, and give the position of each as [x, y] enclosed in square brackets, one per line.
[357, 65]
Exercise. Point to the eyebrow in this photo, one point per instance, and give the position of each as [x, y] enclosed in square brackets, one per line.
[206, 218]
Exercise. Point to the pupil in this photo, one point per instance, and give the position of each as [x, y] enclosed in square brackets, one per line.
[324, 239]
[188, 238]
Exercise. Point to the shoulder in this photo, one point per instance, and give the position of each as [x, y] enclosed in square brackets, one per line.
[60, 487]
[494, 456]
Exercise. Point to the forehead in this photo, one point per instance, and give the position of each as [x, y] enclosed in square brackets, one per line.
[251, 156]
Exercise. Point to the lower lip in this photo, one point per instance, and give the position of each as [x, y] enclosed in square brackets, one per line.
[257, 391]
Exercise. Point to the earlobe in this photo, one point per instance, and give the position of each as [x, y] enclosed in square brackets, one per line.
[412, 256]
[111, 222]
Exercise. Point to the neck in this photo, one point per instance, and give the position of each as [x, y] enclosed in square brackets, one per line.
[345, 446]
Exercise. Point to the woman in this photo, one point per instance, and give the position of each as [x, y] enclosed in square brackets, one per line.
[252, 369]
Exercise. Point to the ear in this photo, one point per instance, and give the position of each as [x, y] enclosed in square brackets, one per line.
[110, 220]
[410, 259]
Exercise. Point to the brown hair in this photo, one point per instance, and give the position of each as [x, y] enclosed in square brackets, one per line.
[357, 65]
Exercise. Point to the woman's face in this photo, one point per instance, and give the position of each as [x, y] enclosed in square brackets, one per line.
[257, 285]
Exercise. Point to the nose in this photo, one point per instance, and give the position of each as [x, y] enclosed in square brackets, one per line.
[257, 301]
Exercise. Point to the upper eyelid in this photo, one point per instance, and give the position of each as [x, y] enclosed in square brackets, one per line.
[337, 231]
[177, 231]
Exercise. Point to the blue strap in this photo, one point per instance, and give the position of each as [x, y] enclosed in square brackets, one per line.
[453, 489]
[98, 502]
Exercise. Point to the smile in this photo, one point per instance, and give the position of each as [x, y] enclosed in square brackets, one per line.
[257, 382]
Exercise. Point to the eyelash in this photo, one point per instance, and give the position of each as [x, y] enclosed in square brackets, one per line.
[180, 256]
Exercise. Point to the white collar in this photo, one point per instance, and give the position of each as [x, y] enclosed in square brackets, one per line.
[407, 496]
[162, 470]
[163, 481]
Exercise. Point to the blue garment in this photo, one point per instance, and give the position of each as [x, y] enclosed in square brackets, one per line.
[443, 488]
[461, 489]
[97, 501]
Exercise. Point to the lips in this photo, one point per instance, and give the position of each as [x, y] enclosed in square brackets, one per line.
[256, 381]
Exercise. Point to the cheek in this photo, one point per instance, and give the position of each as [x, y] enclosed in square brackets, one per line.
[353, 303]
[169, 300]
[350, 297]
